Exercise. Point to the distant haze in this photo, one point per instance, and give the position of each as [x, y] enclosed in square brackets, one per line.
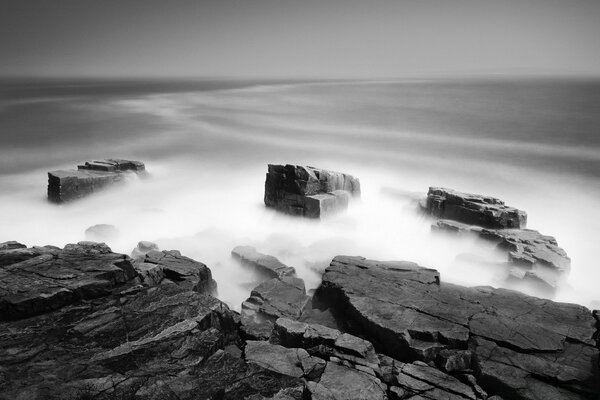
[281, 38]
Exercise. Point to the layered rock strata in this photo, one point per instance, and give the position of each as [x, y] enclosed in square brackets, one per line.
[68, 185]
[307, 191]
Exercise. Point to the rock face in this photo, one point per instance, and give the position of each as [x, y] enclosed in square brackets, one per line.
[67, 185]
[532, 257]
[265, 265]
[41, 279]
[307, 191]
[473, 209]
[522, 347]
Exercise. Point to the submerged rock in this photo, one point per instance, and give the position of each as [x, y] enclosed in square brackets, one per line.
[101, 233]
[473, 209]
[521, 346]
[68, 185]
[531, 256]
[307, 191]
[264, 264]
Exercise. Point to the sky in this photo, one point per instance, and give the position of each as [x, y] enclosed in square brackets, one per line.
[297, 38]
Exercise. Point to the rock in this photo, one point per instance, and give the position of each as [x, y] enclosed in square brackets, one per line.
[11, 245]
[266, 265]
[427, 382]
[42, 279]
[339, 382]
[291, 362]
[308, 191]
[454, 360]
[522, 346]
[158, 265]
[473, 209]
[68, 185]
[140, 344]
[531, 256]
[143, 248]
[101, 233]
[275, 298]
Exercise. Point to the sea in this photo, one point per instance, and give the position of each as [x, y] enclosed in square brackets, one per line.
[532, 142]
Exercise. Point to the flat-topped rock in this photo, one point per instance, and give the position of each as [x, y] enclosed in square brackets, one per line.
[265, 265]
[40, 279]
[531, 256]
[521, 345]
[473, 209]
[68, 185]
[307, 191]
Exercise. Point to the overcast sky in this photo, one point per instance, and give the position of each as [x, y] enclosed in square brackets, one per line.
[300, 38]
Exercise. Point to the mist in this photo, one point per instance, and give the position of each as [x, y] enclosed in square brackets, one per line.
[207, 155]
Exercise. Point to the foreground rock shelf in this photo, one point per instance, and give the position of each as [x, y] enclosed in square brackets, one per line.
[68, 185]
[155, 331]
[307, 191]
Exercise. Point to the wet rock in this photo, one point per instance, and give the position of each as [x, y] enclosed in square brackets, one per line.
[264, 264]
[143, 248]
[522, 346]
[286, 361]
[140, 344]
[68, 185]
[339, 382]
[101, 233]
[275, 298]
[158, 265]
[308, 191]
[532, 257]
[473, 209]
[42, 279]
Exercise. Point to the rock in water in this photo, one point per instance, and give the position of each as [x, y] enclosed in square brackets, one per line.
[265, 265]
[473, 209]
[307, 191]
[143, 248]
[522, 347]
[101, 233]
[67, 185]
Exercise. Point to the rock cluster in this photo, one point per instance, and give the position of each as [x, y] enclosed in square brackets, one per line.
[67, 185]
[473, 209]
[399, 334]
[307, 191]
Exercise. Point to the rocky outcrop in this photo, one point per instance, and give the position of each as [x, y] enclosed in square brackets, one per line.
[521, 347]
[41, 279]
[143, 248]
[266, 266]
[68, 185]
[307, 191]
[171, 265]
[472, 209]
[272, 299]
[532, 257]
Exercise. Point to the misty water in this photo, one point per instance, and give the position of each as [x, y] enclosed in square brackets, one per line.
[533, 143]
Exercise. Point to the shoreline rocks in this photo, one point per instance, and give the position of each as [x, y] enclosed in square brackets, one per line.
[68, 185]
[307, 191]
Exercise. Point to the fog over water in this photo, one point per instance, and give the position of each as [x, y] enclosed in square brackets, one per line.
[533, 143]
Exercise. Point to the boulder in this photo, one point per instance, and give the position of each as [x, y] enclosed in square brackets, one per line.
[340, 382]
[101, 233]
[521, 346]
[307, 191]
[265, 265]
[68, 185]
[272, 299]
[171, 265]
[291, 362]
[143, 248]
[41, 279]
[472, 209]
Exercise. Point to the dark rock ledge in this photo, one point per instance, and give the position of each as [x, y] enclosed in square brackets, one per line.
[68, 185]
[398, 333]
[307, 191]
